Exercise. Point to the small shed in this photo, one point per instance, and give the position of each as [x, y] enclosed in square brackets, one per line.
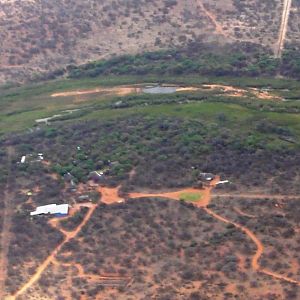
[223, 182]
[96, 176]
[207, 176]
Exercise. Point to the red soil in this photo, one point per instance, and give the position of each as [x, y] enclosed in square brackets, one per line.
[202, 202]
[111, 195]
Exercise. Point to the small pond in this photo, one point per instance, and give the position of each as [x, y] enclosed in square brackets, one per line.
[160, 89]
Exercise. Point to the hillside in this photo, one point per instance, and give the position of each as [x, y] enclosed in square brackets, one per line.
[38, 36]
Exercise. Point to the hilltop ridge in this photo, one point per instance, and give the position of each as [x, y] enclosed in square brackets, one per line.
[45, 35]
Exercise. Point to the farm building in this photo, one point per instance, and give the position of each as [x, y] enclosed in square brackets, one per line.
[52, 209]
[30, 158]
[222, 182]
[207, 176]
[96, 176]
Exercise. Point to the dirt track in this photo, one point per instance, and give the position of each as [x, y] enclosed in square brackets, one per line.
[283, 27]
[108, 193]
[259, 248]
[205, 201]
[110, 196]
[92, 277]
[120, 91]
[36, 276]
[213, 19]
[6, 235]
[243, 213]
[257, 196]
[135, 89]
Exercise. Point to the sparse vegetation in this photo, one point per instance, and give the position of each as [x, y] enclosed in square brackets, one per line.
[151, 248]
[87, 31]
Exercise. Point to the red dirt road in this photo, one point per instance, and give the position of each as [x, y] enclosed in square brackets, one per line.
[36, 276]
[259, 249]
[202, 202]
[111, 195]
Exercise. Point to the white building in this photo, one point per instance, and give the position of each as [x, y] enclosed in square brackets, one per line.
[222, 182]
[52, 209]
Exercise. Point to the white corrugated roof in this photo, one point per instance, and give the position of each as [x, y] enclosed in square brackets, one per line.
[222, 182]
[51, 209]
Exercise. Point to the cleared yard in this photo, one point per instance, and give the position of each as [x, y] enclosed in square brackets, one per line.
[190, 197]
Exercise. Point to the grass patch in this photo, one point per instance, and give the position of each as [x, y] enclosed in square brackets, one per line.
[191, 197]
[21, 106]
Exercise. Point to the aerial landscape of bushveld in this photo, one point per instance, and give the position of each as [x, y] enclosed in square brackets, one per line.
[150, 150]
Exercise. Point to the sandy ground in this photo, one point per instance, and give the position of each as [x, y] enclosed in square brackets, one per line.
[120, 91]
[283, 27]
[135, 89]
[259, 248]
[110, 195]
[239, 92]
[203, 201]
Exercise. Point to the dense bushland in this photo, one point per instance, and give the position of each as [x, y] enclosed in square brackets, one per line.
[172, 151]
[240, 59]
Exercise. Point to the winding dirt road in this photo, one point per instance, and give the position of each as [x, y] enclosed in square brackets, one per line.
[259, 248]
[283, 27]
[205, 201]
[111, 195]
[250, 234]
[69, 235]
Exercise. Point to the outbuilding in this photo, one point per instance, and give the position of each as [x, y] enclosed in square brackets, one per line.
[207, 176]
[60, 210]
[96, 176]
[223, 182]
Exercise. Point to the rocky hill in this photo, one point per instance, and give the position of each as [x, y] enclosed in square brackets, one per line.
[42, 35]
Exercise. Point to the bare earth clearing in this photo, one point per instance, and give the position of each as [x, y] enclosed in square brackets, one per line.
[283, 26]
[136, 89]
